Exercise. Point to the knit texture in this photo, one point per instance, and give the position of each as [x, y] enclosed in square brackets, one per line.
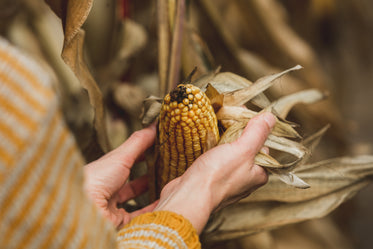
[42, 202]
[161, 229]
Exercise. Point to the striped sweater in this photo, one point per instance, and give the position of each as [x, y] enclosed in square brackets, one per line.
[42, 202]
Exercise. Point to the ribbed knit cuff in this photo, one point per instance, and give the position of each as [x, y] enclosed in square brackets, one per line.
[161, 229]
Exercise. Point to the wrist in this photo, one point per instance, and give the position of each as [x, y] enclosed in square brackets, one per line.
[191, 200]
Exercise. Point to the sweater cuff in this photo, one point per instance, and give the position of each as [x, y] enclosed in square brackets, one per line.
[160, 229]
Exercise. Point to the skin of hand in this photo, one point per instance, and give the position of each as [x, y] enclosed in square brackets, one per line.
[220, 176]
[105, 180]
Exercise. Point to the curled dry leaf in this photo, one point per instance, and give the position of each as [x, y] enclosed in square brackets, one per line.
[333, 181]
[283, 105]
[73, 13]
[73, 56]
[242, 96]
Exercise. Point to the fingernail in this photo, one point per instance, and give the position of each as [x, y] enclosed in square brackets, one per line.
[270, 119]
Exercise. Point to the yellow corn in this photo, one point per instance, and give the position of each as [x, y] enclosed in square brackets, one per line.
[186, 120]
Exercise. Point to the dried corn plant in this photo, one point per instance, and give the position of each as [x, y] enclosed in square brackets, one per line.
[110, 63]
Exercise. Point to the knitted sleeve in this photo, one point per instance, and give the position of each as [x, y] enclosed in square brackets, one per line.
[42, 202]
[158, 230]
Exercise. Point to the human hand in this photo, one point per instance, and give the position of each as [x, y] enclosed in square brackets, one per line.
[220, 176]
[106, 179]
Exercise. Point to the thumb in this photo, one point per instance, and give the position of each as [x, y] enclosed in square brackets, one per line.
[256, 133]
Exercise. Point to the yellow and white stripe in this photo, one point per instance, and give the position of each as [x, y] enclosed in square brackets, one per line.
[42, 202]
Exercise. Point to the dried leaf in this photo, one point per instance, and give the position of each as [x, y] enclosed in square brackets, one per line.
[276, 204]
[232, 133]
[73, 57]
[241, 114]
[215, 97]
[151, 109]
[242, 96]
[283, 105]
[292, 180]
[73, 14]
[228, 82]
[267, 161]
[286, 145]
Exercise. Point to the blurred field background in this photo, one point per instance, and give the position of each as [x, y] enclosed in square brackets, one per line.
[331, 39]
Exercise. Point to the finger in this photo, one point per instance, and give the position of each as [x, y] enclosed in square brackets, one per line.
[135, 146]
[144, 210]
[133, 189]
[255, 133]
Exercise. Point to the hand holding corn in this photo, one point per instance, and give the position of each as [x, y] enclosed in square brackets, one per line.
[220, 176]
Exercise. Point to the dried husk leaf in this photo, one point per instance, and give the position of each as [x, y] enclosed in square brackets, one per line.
[241, 114]
[242, 96]
[151, 109]
[291, 179]
[215, 97]
[333, 182]
[286, 145]
[228, 82]
[283, 105]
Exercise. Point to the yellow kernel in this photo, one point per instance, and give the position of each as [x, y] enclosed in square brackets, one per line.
[185, 101]
[190, 96]
[184, 118]
[180, 105]
[172, 113]
[173, 105]
[185, 109]
[191, 113]
[184, 113]
[167, 99]
[183, 123]
[188, 90]
[177, 118]
[199, 103]
[190, 106]
[198, 111]
[195, 107]
[198, 96]
[195, 90]
[177, 111]
[173, 120]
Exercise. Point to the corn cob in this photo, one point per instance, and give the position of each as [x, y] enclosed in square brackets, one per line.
[186, 120]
